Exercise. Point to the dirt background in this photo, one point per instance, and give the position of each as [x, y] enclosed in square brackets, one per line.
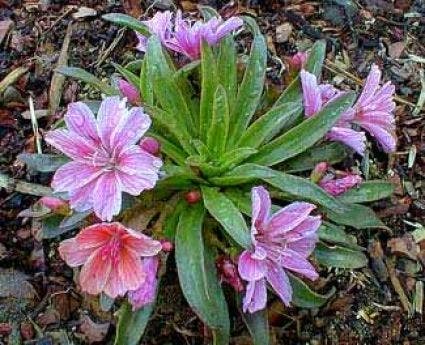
[380, 304]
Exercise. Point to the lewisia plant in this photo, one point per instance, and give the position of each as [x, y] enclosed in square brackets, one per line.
[196, 158]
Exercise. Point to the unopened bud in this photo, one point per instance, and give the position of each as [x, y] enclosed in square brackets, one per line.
[193, 196]
[319, 171]
[56, 205]
[150, 145]
[129, 91]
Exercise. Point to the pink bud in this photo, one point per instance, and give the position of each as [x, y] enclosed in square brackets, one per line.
[129, 91]
[193, 196]
[150, 145]
[319, 171]
[337, 186]
[298, 60]
[229, 273]
[55, 204]
[167, 246]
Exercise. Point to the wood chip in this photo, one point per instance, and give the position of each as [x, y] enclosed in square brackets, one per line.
[283, 32]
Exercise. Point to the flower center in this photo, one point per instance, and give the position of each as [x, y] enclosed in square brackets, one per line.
[112, 250]
[102, 158]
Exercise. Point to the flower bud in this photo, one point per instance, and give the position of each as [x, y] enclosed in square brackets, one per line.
[129, 91]
[56, 205]
[298, 60]
[319, 171]
[192, 197]
[167, 246]
[229, 273]
[150, 145]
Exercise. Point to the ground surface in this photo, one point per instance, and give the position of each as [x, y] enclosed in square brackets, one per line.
[39, 302]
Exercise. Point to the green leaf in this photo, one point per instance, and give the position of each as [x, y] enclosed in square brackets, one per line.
[368, 191]
[169, 121]
[330, 152]
[227, 214]
[165, 87]
[131, 325]
[217, 133]
[357, 216]
[43, 162]
[172, 151]
[227, 69]
[127, 21]
[208, 12]
[234, 157]
[209, 85]
[305, 135]
[134, 66]
[130, 76]
[178, 177]
[197, 273]
[80, 74]
[304, 297]
[172, 220]
[145, 87]
[250, 90]
[340, 257]
[258, 326]
[334, 234]
[52, 226]
[270, 124]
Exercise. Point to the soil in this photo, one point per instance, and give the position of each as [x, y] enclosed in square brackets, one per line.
[39, 302]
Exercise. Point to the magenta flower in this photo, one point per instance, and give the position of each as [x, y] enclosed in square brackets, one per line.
[146, 293]
[229, 273]
[150, 145]
[337, 185]
[315, 97]
[374, 110]
[280, 242]
[111, 258]
[298, 60]
[129, 91]
[159, 25]
[106, 159]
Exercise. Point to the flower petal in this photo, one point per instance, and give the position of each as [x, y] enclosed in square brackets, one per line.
[261, 204]
[71, 144]
[311, 93]
[279, 281]
[141, 244]
[251, 269]
[146, 293]
[370, 86]
[130, 129]
[385, 138]
[95, 272]
[112, 110]
[73, 175]
[295, 262]
[256, 296]
[351, 138]
[72, 254]
[96, 235]
[107, 196]
[80, 120]
[130, 269]
[288, 218]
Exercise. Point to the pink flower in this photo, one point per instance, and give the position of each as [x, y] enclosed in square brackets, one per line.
[338, 185]
[298, 60]
[280, 242]
[111, 258]
[160, 25]
[146, 293]
[315, 97]
[374, 110]
[185, 37]
[129, 91]
[105, 158]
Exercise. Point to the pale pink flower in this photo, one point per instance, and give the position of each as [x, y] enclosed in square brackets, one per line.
[159, 25]
[316, 96]
[111, 256]
[280, 242]
[336, 185]
[146, 293]
[374, 110]
[106, 159]
[129, 91]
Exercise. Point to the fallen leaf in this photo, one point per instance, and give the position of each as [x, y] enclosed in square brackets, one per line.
[396, 49]
[404, 246]
[283, 32]
[377, 260]
[6, 118]
[5, 26]
[15, 284]
[84, 12]
[94, 332]
[132, 8]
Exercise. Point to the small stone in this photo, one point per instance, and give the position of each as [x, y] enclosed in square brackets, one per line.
[283, 32]
[84, 12]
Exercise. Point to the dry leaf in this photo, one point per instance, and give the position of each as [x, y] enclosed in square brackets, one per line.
[283, 32]
[404, 246]
[14, 284]
[84, 12]
[94, 332]
[5, 26]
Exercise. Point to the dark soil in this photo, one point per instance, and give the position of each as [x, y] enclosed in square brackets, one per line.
[43, 305]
